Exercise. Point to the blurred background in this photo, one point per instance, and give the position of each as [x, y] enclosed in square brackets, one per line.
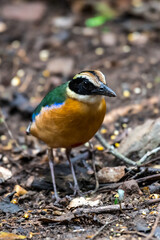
[43, 44]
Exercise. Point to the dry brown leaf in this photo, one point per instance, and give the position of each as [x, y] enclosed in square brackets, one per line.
[19, 190]
[81, 201]
[10, 236]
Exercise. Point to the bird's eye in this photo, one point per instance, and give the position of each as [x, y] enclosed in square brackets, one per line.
[85, 82]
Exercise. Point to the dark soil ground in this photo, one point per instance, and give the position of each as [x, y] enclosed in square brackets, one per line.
[36, 56]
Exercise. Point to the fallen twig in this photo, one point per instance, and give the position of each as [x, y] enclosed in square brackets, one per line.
[152, 201]
[155, 225]
[8, 130]
[101, 209]
[113, 151]
[26, 82]
[120, 156]
[143, 159]
[113, 186]
[135, 232]
[148, 178]
[101, 229]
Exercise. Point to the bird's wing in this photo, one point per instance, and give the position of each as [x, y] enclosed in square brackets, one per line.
[54, 98]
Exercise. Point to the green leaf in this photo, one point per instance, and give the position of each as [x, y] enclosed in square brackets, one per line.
[95, 21]
[116, 201]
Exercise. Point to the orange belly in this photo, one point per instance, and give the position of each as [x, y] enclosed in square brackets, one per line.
[73, 124]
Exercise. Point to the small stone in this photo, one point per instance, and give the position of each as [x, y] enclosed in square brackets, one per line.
[20, 73]
[16, 44]
[4, 174]
[126, 49]
[126, 93]
[111, 174]
[124, 125]
[149, 85]
[137, 90]
[116, 132]
[63, 22]
[109, 39]
[44, 55]
[99, 51]
[16, 81]
[137, 38]
[3, 138]
[3, 27]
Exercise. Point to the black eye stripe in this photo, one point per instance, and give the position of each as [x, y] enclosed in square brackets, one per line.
[81, 86]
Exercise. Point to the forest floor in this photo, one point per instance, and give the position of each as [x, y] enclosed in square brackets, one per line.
[42, 49]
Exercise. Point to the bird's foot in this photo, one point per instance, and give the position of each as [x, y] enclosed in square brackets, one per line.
[76, 190]
[56, 199]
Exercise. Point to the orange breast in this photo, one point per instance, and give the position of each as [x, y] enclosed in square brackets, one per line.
[73, 124]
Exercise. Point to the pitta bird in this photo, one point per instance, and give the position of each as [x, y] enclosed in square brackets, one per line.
[70, 115]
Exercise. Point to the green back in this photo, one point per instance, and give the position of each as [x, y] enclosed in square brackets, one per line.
[54, 98]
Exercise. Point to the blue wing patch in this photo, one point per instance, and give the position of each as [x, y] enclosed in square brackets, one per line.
[46, 108]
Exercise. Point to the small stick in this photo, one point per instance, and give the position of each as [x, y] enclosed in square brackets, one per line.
[143, 159]
[113, 151]
[8, 130]
[94, 168]
[101, 229]
[101, 209]
[135, 232]
[26, 82]
[155, 225]
[152, 201]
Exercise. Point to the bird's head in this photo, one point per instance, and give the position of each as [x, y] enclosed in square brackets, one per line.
[88, 86]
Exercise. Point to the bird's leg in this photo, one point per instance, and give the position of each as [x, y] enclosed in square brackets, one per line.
[94, 168]
[76, 186]
[51, 165]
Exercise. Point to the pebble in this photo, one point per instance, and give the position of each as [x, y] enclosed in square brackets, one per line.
[16, 81]
[109, 39]
[44, 55]
[3, 27]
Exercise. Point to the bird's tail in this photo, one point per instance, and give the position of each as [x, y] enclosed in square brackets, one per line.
[28, 128]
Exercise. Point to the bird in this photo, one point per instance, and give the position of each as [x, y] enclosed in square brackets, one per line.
[70, 115]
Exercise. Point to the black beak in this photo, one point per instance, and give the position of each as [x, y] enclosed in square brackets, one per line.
[104, 90]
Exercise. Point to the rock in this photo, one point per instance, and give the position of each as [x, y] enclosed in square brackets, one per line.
[29, 12]
[5, 174]
[142, 226]
[109, 39]
[111, 174]
[63, 22]
[131, 187]
[63, 65]
[157, 233]
[141, 139]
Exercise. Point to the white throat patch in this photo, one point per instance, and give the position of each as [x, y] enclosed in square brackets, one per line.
[84, 98]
